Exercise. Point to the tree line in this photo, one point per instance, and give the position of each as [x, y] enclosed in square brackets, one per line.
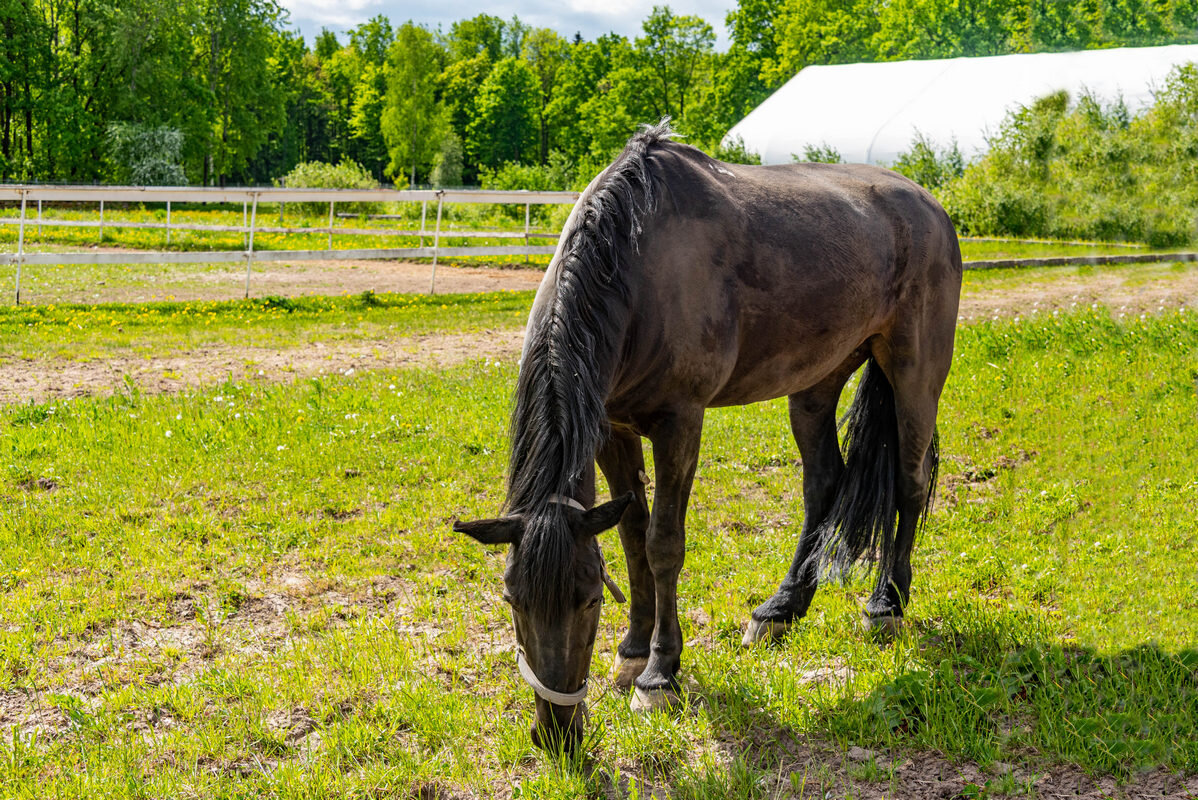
[224, 91]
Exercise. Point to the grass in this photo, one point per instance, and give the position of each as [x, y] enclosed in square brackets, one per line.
[252, 590]
[86, 332]
[456, 218]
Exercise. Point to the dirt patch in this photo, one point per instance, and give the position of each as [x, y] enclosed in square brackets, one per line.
[201, 630]
[1123, 292]
[137, 283]
[1130, 291]
[24, 380]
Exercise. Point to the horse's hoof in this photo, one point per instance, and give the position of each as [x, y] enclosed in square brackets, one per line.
[767, 629]
[646, 700]
[883, 624]
[626, 670]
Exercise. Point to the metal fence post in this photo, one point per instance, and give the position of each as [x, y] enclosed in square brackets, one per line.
[39, 220]
[432, 284]
[168, 223]
[423, 214]
[249, 253]
[245, 234]
[20, 247]
[101, 221]
[331, 224]
[526, 207]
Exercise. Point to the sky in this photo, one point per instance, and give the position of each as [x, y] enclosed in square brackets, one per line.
[591, 18]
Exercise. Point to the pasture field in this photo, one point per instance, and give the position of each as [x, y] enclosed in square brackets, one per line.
[251, 589]
[456, 218]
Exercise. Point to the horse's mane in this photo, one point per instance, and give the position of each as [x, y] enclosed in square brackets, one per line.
[559, 419]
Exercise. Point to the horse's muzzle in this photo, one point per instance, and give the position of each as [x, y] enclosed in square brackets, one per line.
[559, 727]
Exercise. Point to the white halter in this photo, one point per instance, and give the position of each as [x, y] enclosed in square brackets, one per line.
[543, 691]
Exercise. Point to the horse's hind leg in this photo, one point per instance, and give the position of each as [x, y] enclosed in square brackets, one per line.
[813, 423]
[622, 460]
[917, 383]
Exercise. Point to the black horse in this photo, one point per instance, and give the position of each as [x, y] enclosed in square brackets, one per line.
[682, 283]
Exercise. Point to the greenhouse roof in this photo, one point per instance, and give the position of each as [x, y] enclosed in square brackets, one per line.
[870, 113]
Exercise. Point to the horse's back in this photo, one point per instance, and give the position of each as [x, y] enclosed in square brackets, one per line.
[755, 282]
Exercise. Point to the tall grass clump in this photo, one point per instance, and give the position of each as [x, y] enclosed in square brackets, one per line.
[1079, 168]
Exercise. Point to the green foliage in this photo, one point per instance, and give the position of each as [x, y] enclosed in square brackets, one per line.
[1083, 170]
[318, 175]
[447, 164]
[734, 151]
[822, 153]
[505, 126]
[412, 120]
[928, 165]
[146, 156]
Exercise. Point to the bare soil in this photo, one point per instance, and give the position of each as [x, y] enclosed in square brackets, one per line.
[23, 380]
[135, 283]
[1123, 292]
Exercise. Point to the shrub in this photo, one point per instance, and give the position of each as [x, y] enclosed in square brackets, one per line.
[319, 175]
[143, 155]
[1087, 170]
[822, 153]
[734, 151]
[928, 165]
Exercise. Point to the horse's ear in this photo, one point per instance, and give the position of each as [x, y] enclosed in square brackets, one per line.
[505, 530]
[605, 516]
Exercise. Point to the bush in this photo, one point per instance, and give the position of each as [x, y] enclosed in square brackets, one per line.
[556, 176]
[319, 175]
[822, 153]
[1087, 170]
[928, 165]
[145, 156]
[735, 152]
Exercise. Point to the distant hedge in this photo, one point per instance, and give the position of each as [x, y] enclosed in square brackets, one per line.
[319, 175]
[1079, 169]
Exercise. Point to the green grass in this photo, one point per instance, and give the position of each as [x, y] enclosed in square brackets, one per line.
[85, 332]
[456, 217]
[253, 590]
[471, 218]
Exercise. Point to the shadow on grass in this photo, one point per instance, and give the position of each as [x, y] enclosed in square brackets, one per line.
[985, 714]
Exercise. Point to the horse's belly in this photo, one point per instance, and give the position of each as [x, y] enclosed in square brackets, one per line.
[756, 378]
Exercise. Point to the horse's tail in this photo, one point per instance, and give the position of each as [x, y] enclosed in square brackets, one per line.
[862, 518]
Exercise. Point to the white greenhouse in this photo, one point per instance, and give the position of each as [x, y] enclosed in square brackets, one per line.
[870, 113]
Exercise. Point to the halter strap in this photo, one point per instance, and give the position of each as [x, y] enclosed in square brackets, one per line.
[566, 501]
[543, 691]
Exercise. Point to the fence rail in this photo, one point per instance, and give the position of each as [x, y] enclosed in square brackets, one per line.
[250, 199]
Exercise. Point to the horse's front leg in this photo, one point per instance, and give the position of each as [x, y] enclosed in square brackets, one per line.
[622, 460]
[675, 454]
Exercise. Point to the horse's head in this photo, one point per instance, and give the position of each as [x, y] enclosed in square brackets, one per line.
[555, 599]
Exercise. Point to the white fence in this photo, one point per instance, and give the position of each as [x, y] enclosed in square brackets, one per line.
[250, 199]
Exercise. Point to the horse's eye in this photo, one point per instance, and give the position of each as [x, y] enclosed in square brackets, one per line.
[594, 603]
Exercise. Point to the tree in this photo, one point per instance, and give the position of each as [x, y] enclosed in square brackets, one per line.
[546, 52]
[675, 56]
[740, 83]
[412, 119]
[459, 86]
[146, 156]
[234, 41]
[505, 127]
